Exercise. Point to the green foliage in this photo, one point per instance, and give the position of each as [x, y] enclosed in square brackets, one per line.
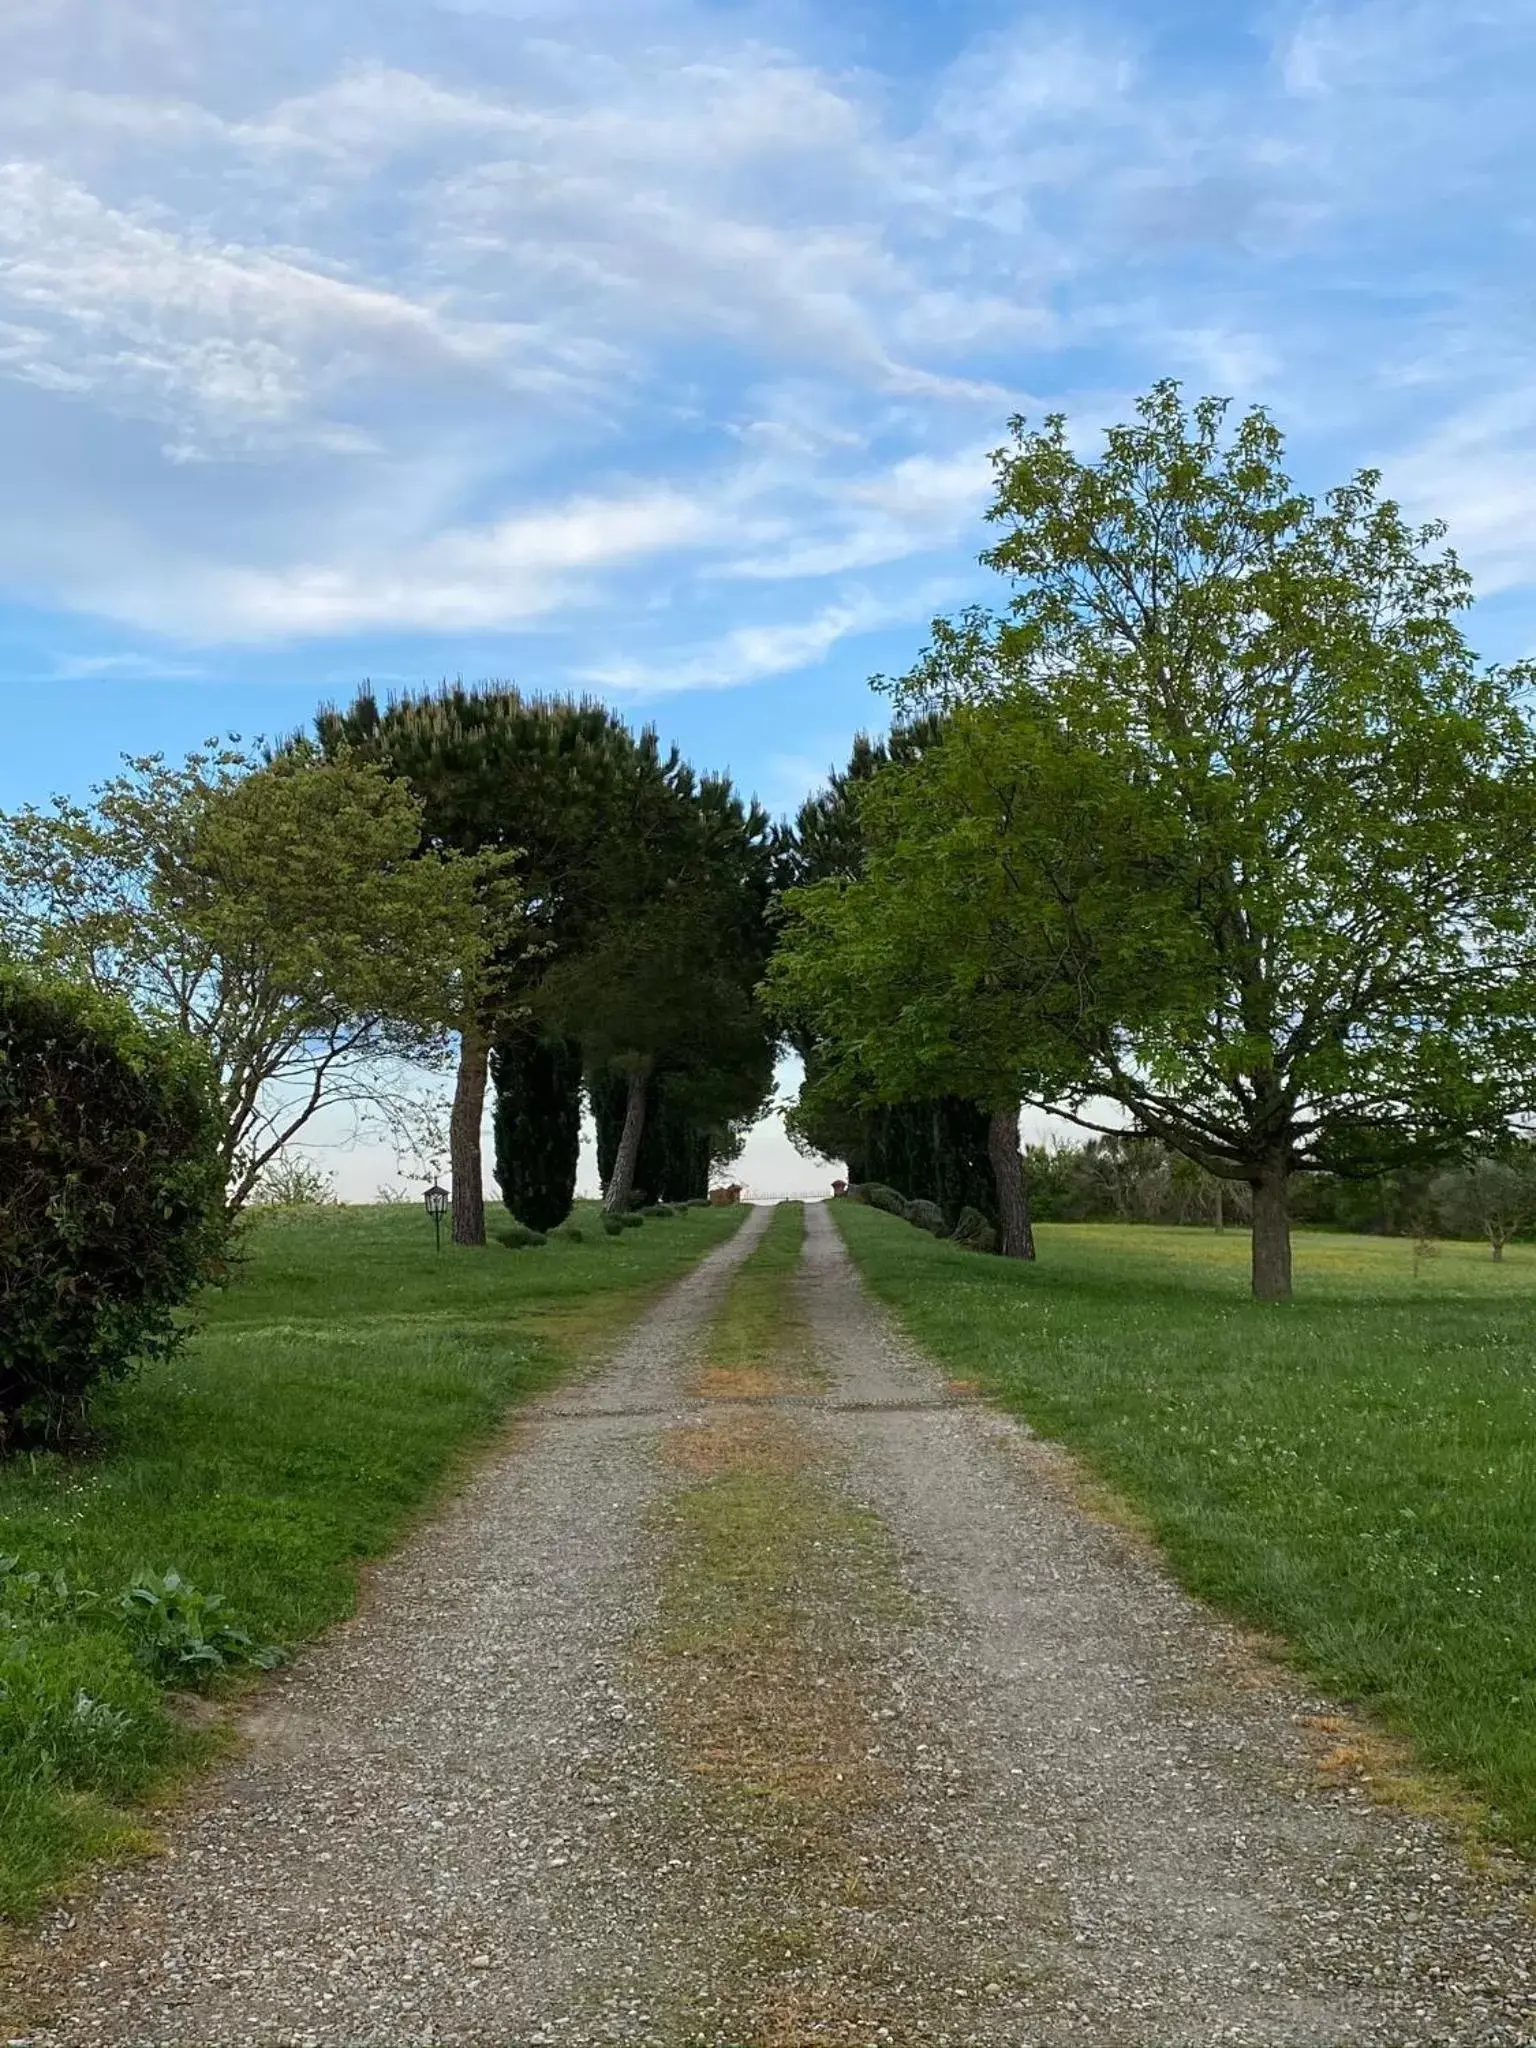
[1224, 823]
[77, 1711]
[177, 1634]
[663, 1210]
[666, 988]
[936, 1146]
[928, 1216]
[538, 1125]
[974, 1233]
[675, 1154]
[111, 1195]
[518, 1237]
[877, 1196]
[1492, 1198]
[332, 1386]
[1354, 1476]
[279, 911]
[571, 1233]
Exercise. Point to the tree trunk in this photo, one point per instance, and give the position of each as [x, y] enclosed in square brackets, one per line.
[1221, 1206]
[1018, 1239]
[467, 1171]
[1498, 1248]
[1271, 1234]
[622, 1179]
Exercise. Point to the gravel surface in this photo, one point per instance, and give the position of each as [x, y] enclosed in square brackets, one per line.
[1085, 1814]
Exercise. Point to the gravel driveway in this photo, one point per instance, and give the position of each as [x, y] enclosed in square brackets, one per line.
[1076, 1811]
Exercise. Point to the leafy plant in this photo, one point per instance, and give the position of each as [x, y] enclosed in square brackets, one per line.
[182, 1636]
[175, 1632]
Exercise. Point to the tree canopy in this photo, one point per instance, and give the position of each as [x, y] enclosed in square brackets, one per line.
[553, 783]
[667, 983]
[279, 911]
[1226, 823]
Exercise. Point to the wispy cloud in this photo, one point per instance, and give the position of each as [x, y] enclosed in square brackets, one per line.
[749, 654]
[128, 668]
[569, 316]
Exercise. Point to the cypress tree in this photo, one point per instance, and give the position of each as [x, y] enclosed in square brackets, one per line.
[538, 1126]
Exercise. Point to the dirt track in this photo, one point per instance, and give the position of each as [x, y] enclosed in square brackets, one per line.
[784, 1710]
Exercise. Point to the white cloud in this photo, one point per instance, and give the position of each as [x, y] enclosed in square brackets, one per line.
[1477, 472]
[131, 668]
[750, 654]
[496, 576]
[595, 315]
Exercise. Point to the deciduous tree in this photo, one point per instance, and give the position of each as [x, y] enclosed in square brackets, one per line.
[277, 910]
[1238, 822]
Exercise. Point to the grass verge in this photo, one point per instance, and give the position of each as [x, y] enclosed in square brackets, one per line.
[1353, 1472]
[328, 1393]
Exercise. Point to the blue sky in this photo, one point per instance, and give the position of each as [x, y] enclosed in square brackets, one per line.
[655, 347]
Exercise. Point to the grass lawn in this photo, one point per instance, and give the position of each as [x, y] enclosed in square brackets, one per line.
[1354, 1471]
[327, 1393]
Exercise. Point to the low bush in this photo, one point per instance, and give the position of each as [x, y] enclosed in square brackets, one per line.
[928, 1216]
[659, 1209]
[517, 1237]
[878, 1196]
[572, 1233]
[111, 1195]
[974, 1232]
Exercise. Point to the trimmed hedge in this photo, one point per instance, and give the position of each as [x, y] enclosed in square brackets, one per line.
[928, 1216]
[111, 1195]
[517, 1237]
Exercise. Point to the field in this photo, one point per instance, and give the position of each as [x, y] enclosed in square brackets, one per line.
[1354, 1471]
[329, 1391]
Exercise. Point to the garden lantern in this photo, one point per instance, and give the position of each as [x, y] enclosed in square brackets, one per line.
[436, 1199]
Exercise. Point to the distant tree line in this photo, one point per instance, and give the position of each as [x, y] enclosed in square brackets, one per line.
[1140, 1180]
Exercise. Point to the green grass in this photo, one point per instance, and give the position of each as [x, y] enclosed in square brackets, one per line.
[1354, 1471]
[327, 1394]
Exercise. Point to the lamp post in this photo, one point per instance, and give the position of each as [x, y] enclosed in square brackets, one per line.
[436, 1199]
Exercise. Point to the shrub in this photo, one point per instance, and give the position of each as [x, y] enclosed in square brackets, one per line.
[974, 1232]
[291, 1182]
[928, 1216]
[612, 1227]
[111, 1194]
[517, 1237]
[572, 1233]
[659, 1209]
[879, 1197]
